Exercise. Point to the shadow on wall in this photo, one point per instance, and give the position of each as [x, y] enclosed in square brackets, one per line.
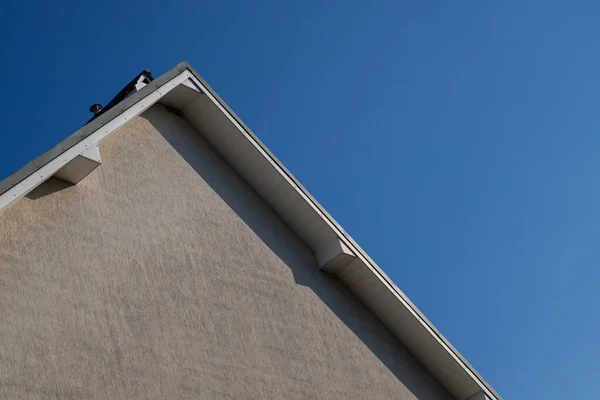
[245, 202]
[51, 186]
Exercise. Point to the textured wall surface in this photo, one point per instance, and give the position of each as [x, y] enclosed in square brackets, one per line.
[162, 275]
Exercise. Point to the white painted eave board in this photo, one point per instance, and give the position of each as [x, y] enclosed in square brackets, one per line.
[253, 161]
[52, 161]
[261, 169]
[81, 166]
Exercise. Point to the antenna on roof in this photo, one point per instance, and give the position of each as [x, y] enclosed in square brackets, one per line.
[96, 108]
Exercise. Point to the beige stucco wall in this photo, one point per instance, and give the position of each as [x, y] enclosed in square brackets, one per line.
[162, 275]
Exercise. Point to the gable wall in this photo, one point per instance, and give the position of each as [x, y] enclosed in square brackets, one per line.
[163, 275]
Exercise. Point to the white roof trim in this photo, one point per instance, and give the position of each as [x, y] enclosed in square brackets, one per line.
[335, 250]
[334, 256]
[51, 168]
[81, 166]
[444, 362]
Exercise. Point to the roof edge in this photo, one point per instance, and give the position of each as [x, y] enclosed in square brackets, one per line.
[350, 242]
[97, 123]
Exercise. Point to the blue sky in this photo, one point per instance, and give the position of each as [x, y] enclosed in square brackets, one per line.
[456, 141]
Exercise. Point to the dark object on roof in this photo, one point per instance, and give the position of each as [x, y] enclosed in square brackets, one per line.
[95, 108]
[143, 78]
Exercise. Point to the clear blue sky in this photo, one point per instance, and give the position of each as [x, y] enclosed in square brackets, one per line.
[457, 141]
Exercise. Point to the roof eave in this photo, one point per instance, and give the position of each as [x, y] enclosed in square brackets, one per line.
[287, 196]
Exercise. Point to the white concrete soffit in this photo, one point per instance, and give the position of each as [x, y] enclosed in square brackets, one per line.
[336, 252]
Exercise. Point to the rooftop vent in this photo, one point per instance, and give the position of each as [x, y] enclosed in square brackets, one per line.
[96, 108]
